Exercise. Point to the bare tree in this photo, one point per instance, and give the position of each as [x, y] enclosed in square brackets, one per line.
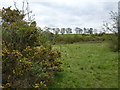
[26, 11]
[56, 30]
[78, 30]
[91, 31]
[68, 30]
[112, 27]
[62, 30]
[85, 30]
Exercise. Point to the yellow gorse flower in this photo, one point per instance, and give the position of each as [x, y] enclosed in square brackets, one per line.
[8, 84]
[40, 82]
[3, 54]
[13, 71]
[36, 86]
[2, 87]
[9, 77]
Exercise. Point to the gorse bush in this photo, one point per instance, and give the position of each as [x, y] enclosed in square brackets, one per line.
[27, 62]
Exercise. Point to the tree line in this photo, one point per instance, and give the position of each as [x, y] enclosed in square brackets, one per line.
[70, 30]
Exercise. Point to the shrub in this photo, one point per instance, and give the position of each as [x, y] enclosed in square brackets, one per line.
[113, 43]
[73, 38]
[24, 64]
[113, 27]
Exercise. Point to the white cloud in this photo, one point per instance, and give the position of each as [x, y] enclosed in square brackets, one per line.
[68, 13]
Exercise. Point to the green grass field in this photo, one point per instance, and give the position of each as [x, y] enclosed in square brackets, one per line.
[87, 65]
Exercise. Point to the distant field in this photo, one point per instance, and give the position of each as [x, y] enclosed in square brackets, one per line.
[87, 65]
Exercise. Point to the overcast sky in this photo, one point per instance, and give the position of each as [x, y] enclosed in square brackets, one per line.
[68, 13]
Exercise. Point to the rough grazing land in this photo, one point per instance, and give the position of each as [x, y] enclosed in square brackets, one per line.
[87, 65]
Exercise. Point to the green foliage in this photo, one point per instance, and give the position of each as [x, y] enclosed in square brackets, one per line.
[113, 43]
[46, 36]
[74, 38]
[24, 65]
[9, 16]
[114, 28]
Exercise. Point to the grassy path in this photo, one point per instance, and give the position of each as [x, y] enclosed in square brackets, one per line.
[87, 65]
